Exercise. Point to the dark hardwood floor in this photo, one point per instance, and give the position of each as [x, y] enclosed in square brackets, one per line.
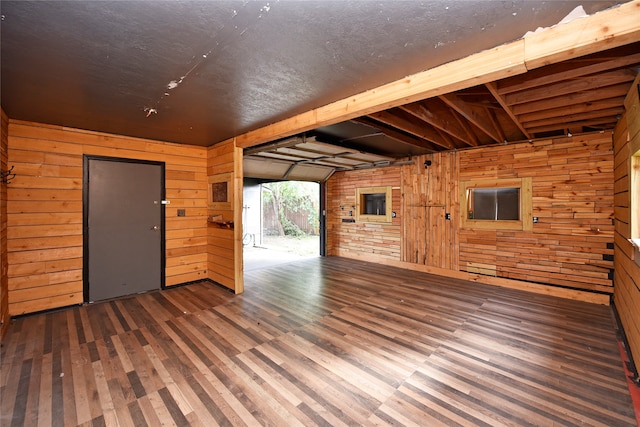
[324, 341]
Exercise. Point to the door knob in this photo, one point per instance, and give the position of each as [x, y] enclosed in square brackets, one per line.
[155, 228]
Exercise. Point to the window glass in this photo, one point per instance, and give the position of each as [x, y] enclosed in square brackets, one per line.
[497, 204]
[494, 203]
[374, 204]
[635, 198]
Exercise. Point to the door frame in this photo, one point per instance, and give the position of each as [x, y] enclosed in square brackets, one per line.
[85, 217]
[323, 218]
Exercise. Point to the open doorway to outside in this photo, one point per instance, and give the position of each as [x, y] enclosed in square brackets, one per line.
[281, 222]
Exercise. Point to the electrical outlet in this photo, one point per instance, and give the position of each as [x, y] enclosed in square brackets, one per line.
[182, 212]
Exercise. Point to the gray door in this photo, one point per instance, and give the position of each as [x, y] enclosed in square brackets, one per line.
[124, 220]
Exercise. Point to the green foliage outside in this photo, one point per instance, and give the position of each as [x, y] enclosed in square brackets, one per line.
[292, 196]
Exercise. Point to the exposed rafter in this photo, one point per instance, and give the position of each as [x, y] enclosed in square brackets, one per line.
[619, 90]
[567, 87]
[478, 116]
[411, 127]
[625, 56]
[446, 112]
[397, 135]
[441, 118]
[492, 87]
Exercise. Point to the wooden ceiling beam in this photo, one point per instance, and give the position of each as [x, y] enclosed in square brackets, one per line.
[582, 84]
[561, 42]
[488, 65]
[576, 127]
[555, 121]
[583, 107]
[467, 128]
[492, 86]
[442, 119]
[478, 116]
[571, 70]
[423, 132]
[448, 139]
[496, 124]
[571, 99]
[394, 134]
[608, 29]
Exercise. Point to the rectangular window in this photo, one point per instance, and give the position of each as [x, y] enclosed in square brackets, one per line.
[373, 204]
[632, 105]
[634, 210]
[635, 198]
[494, 203]
[497, 204]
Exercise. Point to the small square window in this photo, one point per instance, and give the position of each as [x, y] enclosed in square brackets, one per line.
[373, 204]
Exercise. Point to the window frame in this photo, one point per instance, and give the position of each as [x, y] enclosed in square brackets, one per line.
[634, 197]
[525, 223]
[361, 192]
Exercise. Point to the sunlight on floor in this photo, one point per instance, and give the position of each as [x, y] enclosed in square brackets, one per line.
[278, 250]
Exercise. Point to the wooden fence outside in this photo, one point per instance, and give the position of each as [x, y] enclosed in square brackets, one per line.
[301, 218]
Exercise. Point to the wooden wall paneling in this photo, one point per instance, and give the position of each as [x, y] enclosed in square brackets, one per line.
[224, 245]
[627, 302]
[627, 257]
[186, 188]
[428, 237]
[573, 199]
[453, 201]
[45, 210]
[377, 240]
[4, 264]
[238, 183]
[413, 212]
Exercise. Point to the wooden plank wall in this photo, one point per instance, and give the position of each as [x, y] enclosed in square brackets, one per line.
[428, 194]
[4, 284]
[224, 245]
[627, 259]
[374, 240]
[45, 210]
[572, 244]
[571, 247]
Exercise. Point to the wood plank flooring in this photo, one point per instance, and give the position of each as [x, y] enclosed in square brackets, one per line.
[324, 341]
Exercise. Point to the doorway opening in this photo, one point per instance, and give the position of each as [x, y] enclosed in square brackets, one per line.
[281, 222]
